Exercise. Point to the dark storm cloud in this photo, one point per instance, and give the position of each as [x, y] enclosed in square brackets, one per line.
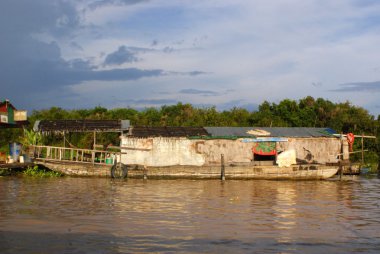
[23, 16]
[31, 68]
[27, 64]
[120, 56]
[359, 87]
[121, 74]
[33, 73]
[198, 92]
[80, 64]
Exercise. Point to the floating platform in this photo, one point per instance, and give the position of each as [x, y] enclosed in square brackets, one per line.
[8, 168]
[16, 165]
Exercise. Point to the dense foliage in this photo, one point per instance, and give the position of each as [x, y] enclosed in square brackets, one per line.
[40, 172]
[307, 112]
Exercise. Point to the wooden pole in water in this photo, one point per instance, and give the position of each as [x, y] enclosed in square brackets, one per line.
[223, 176]
[145, 173]
[341, 159]
[362, 149]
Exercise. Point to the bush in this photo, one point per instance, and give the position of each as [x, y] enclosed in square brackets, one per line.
[40, 172]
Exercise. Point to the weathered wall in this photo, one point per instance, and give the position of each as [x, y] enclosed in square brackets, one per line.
[161, 151]
[313, 150]
[234, 151]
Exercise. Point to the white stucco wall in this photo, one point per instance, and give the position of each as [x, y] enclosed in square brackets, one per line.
[319, 150]
[160, 151]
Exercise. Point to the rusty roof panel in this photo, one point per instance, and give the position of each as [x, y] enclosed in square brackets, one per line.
[271, 131]
[145, 131]
[79, 125]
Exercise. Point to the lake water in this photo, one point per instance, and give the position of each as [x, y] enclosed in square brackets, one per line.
[99, 215]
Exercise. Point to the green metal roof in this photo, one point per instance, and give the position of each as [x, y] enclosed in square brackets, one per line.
[271, 131]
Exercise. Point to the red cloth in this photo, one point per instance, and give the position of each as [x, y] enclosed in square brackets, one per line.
[351, 139]
[264, 148]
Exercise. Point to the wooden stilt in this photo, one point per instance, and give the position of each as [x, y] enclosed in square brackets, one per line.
[145, 174]
[341, 159]
[362, 149]
[94, 140]
[223, 176]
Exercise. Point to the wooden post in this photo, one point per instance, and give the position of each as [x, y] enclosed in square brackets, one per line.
[145, 173]
[93, 157]
[222, 174]
[341, 159]
[362, 149]
[94, 141]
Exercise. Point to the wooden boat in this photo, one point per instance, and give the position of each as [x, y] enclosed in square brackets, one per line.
[294, 172]
[72, 161]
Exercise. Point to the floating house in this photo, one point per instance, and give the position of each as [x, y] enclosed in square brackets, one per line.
[246, 152]
[207, 152]
[10, 117]
[170, 146]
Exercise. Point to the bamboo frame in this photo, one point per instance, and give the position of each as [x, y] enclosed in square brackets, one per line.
[54, 153]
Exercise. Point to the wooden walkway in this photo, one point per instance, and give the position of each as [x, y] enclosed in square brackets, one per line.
[77, 155]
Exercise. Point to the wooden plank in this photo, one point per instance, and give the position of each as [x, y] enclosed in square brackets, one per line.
[356, 136]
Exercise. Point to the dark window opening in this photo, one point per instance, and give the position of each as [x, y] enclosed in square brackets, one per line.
[257, 157]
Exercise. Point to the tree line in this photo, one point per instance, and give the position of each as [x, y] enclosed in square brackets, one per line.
[307, 112]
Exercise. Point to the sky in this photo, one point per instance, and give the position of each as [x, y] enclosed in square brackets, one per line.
[78, 54]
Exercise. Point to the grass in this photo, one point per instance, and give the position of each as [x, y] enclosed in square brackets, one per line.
[4, 172]
[40, 172]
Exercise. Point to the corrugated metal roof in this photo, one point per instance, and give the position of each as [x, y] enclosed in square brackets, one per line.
[226, 132]
[273, 131]
[146, 131]
[78, 125]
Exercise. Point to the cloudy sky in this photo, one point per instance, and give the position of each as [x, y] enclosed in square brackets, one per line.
[141, 53]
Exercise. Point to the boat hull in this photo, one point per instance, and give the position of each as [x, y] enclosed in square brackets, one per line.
[294, 172]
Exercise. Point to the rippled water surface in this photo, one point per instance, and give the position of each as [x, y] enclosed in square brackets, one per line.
[96, 215]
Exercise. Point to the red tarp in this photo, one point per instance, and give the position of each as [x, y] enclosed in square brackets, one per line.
[264, 148]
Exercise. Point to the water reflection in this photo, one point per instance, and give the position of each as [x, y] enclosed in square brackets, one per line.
[105, 216]
[285, 213]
